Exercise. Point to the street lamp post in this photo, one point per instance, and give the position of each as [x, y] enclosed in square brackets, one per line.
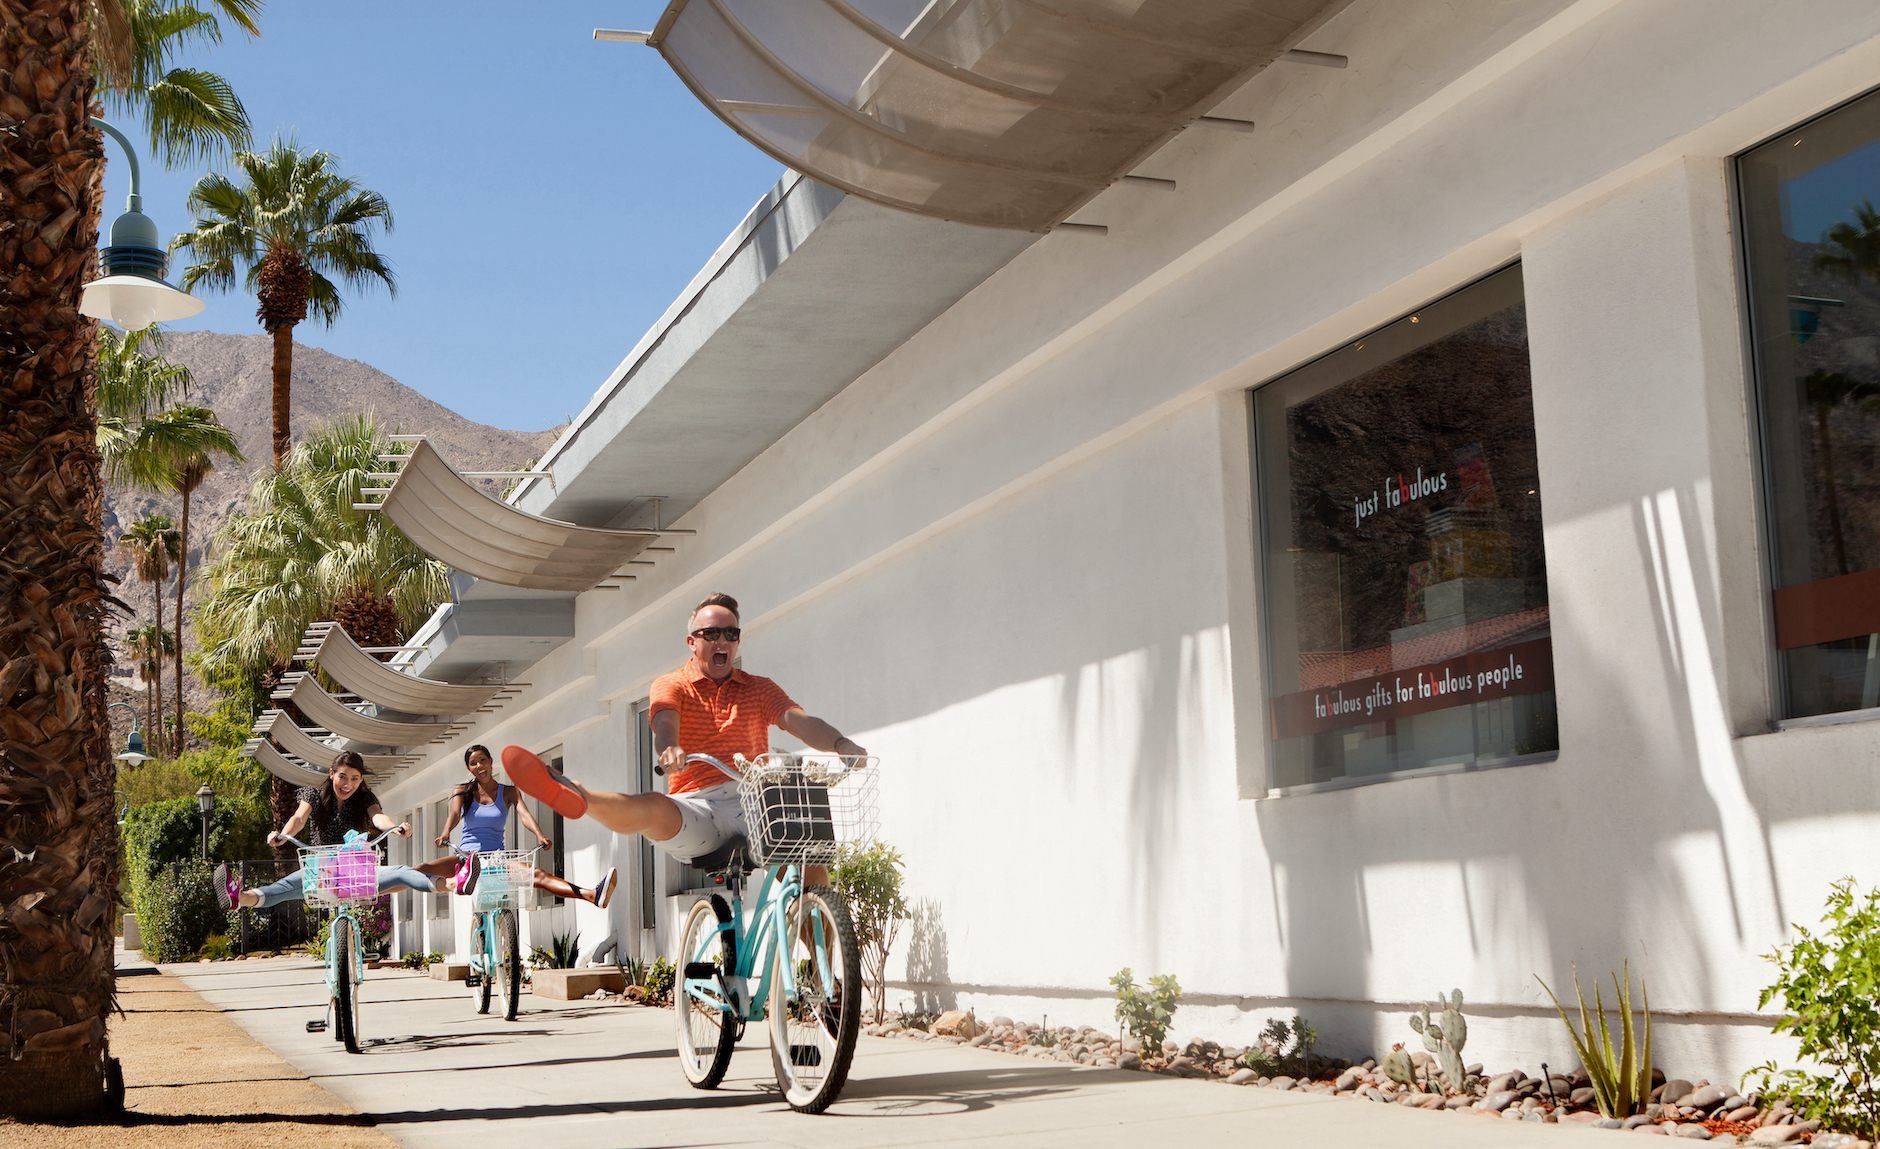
[133, 745]
[205, 800]
[132, 292]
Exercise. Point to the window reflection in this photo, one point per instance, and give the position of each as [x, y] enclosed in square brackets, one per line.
[1405, 575]
[1812, 232]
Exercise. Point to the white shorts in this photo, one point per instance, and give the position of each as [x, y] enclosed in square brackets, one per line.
[708, 819]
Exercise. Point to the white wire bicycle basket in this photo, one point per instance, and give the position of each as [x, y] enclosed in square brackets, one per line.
[507, 881]
[339, 875]
[804, 808]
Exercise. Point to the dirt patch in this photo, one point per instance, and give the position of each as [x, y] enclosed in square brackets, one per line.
[193, 1077]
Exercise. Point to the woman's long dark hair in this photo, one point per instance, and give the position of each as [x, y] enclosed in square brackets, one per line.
[328, 805]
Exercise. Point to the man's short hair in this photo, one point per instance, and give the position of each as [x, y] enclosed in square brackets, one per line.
[720, 599]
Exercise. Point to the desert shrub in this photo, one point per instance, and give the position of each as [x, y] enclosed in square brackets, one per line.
[216, 948]
[870, 882]
[416, 960]
[1146, 1012]
[177, 910]
[1284, 1047]
[659, 979]
[1828, 986]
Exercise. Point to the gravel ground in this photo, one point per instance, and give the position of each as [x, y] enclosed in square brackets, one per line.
[193, 1077]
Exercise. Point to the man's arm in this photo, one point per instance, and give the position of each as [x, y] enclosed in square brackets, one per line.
[819, 735]
[666, 749]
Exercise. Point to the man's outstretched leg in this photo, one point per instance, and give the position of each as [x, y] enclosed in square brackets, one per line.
[651, 814]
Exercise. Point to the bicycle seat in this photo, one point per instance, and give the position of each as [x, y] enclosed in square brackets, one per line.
[733, 855]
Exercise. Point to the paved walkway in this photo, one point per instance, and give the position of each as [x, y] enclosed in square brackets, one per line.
[574, 1075]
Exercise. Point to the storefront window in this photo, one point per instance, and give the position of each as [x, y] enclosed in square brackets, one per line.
[1812, 233]
[1405, 581]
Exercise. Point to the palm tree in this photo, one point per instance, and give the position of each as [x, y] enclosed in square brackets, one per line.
[148, 645]
[292, 222]
[153, 543]
[190, 114]
[1859, 246]
[186, 437]
[57, 771]
[302, 553]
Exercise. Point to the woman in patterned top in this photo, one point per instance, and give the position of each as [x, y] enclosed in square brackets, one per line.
[340, 804]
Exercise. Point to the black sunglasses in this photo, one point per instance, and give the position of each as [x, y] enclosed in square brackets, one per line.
[714, 633]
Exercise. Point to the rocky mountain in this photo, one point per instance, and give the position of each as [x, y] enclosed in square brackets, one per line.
[234, 378]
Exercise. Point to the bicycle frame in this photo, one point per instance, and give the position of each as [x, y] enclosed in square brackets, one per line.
[357, 974]
[754, 940]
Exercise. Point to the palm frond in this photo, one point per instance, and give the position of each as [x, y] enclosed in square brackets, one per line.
[193, 115]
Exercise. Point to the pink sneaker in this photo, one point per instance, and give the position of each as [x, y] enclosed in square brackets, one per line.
[228, 886]
[467, 874]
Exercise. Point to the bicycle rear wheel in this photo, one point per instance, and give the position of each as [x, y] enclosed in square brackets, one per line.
[708, 1031]
[816, 1016]
[481, 966]
[507, 970]
[345, 967]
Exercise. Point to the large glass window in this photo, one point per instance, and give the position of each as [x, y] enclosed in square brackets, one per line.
[1405, 582]
[1812, 233]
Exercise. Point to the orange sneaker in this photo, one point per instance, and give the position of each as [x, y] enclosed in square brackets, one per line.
[540, 781]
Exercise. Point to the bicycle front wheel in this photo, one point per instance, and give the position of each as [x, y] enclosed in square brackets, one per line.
[708, 1030]
[507, 973]
[482, 968]
[815, 999]
[345, 970]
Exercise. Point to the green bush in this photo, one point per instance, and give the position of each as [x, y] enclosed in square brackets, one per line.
[659, 979]
[159, 833]
[870, 882]
[1828, 986]
[177, 911]
[216, 948]
[416, 960]
[1146, 1013]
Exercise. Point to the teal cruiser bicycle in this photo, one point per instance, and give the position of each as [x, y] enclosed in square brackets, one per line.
[341, 878]
[790, 958]
[506, 884]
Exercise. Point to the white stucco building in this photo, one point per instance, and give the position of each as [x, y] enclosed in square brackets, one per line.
[1042, 520]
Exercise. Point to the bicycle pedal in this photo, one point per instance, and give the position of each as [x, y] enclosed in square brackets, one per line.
[805, 1055]
[316, 1027]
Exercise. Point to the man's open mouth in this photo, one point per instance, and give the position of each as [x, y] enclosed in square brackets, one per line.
[719, 658]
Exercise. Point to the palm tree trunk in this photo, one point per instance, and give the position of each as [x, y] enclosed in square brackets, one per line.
[182, 572]
[283, 377]
[156, 662]
[57, 774]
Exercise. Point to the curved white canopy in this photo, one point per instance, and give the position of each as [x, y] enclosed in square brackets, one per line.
[332, 714]
[455, 522]
[338, 655]
[297, 742]
[292, 773]
[1000, 113]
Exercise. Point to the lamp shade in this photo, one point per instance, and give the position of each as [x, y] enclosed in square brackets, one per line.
[205, 798]
[134, 302]
[134, 749]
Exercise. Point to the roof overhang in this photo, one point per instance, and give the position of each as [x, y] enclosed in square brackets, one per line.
[996, 113]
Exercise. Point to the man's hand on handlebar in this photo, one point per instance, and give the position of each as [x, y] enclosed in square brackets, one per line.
[671, 760]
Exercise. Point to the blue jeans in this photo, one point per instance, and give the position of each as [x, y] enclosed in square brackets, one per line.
[288, 888]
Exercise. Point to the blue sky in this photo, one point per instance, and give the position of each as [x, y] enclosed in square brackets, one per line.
[552, 193]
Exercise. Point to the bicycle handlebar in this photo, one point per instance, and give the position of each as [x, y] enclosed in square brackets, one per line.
[852, 761]
[305, 846]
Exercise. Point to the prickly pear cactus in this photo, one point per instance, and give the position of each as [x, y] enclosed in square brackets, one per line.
[1446, 1038]
[1397, 1067]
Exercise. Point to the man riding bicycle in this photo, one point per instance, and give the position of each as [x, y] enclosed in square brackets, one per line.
[706, 706]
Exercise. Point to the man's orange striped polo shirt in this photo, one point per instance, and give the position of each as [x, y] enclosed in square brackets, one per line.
[718, 718]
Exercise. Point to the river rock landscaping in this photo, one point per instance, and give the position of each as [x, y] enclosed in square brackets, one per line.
[1697, 1110]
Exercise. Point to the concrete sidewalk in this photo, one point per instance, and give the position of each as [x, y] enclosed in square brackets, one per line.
[570, 1075]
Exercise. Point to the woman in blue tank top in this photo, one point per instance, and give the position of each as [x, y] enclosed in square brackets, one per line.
[483, 807]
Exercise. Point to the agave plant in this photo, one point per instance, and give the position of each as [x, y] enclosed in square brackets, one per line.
[1621, 1079]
